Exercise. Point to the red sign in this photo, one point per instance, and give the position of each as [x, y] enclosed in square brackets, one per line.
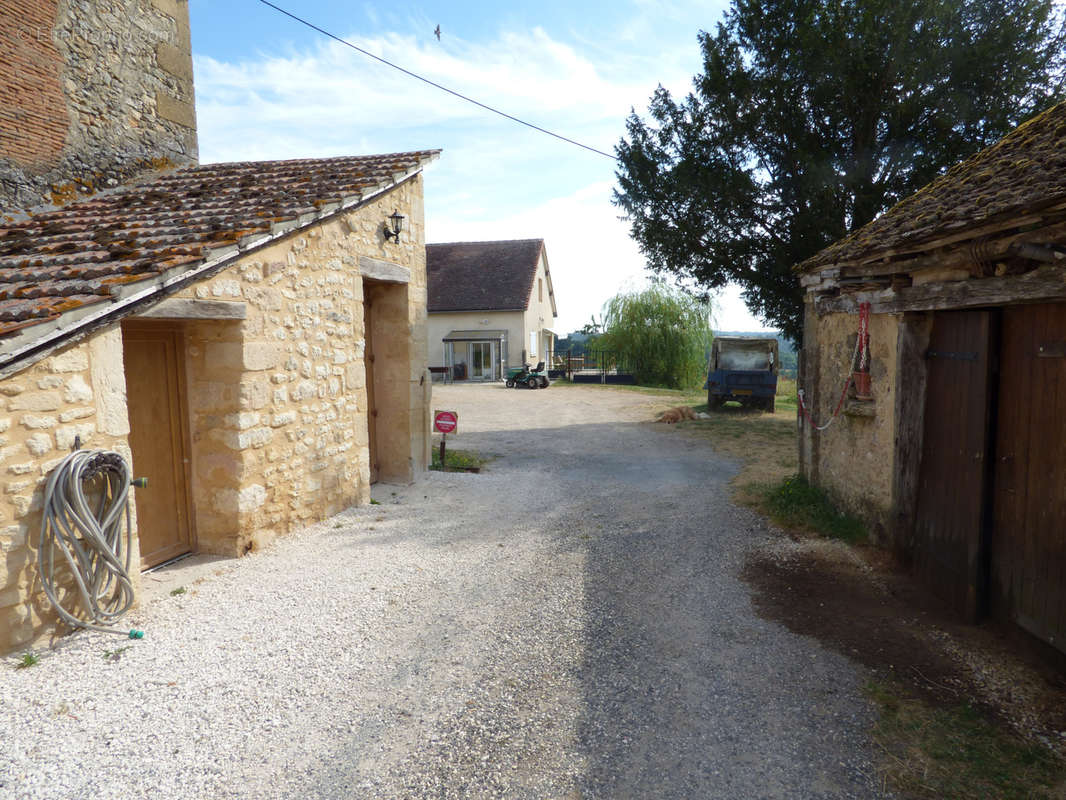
[445, 421]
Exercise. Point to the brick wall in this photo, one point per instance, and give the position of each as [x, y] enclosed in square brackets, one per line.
[33, 115]
[92, 93]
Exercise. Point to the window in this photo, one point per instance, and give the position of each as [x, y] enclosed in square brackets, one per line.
[540, 289]
[532, 344]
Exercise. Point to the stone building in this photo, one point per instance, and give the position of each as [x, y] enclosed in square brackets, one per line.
[252, 337]
[246, 334]
[92, 93]
[491, 306]
[956, 452]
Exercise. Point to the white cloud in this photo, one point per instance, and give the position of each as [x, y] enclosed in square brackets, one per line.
[332, 95]
[496, 179]
[590, 254]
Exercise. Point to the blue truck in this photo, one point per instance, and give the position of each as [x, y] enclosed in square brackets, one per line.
[743, 369]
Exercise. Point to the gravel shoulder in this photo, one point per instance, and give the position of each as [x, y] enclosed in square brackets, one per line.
[570, 623]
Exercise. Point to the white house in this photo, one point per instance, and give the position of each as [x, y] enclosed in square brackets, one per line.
[491, 306]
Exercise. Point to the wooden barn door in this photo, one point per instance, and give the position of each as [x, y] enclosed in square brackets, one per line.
[155, 390]
[953, 477]
[1029, 544]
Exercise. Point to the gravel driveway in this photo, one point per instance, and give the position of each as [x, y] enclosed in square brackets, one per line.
[567, 624]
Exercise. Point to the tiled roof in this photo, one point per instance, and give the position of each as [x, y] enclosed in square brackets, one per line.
[482, 276]
[106, 248]
[1024, 171]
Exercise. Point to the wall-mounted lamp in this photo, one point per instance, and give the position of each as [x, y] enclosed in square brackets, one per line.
[393, 225]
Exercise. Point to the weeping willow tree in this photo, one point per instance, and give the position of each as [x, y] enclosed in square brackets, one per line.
[663, 333]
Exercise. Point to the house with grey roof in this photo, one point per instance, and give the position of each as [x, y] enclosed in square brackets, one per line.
[933, 379]
[491, 307]
[251, 337]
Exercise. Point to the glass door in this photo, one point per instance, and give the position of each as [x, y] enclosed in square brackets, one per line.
[481, 358]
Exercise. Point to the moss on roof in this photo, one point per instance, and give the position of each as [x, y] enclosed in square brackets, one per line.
[1023, 171]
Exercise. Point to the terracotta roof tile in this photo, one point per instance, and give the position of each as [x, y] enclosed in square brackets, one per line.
[59, 260]
[482, 276]
[1025, 170]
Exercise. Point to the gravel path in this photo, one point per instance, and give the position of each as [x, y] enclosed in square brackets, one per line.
[568, 624]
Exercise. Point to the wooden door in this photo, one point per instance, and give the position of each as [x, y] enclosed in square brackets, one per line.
[371, 403]
[1029, 543]
[156, 401]
[950, 530]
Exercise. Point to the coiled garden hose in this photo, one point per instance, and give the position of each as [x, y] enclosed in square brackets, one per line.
[90, 539]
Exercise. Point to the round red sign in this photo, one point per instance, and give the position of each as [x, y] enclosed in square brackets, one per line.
[445, 421]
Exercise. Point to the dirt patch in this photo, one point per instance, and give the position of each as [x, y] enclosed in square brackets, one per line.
[860, 604]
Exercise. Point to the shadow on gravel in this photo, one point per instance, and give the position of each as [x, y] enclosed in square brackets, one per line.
[664, 683]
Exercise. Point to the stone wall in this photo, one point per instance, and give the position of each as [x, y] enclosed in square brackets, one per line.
[853, 458]
[77, 392]
[278, 400]
[92, 93]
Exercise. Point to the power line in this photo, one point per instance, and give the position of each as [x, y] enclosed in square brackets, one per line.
[346, 43]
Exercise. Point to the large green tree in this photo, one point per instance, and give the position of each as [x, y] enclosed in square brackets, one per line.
[663, 333]
[811, 117]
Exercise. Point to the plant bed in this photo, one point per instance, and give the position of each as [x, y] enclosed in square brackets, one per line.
[458, 461]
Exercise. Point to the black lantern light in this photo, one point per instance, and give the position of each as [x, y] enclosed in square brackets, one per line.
[393, 226]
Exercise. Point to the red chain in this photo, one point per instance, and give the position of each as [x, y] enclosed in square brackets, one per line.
[862, 350]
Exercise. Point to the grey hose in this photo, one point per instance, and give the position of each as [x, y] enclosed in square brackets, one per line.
[90, 540]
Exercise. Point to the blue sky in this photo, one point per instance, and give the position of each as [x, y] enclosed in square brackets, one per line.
[267, 87]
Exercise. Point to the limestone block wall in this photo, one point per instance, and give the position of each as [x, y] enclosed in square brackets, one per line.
[79, 391]
[278, 401]
[853, 458]
[92, 93]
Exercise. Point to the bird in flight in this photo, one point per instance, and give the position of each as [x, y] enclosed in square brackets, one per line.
[437, 33]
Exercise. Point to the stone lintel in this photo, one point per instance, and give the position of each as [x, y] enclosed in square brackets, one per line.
[378, 270]
[184, 308]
